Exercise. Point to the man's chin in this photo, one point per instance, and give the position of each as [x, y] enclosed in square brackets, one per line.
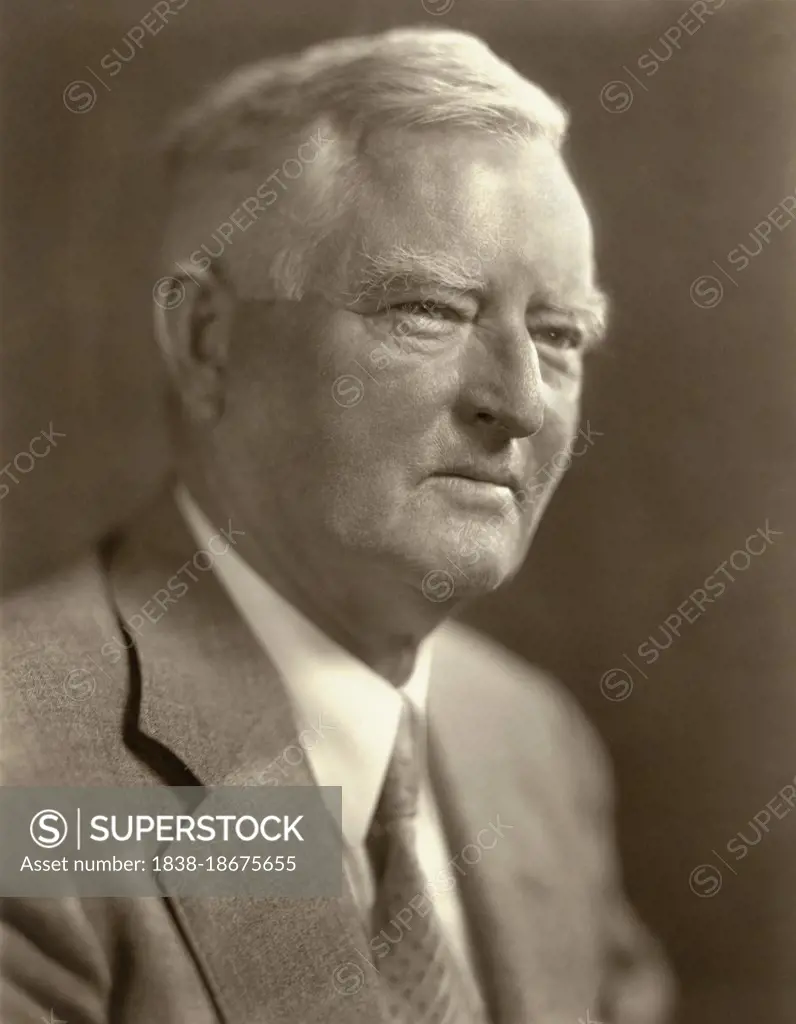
[453, 572]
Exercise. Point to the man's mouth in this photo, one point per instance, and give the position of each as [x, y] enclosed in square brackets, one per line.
[488, 490]
[496, 477]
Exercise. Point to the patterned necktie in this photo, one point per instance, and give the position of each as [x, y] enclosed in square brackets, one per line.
[423, 981]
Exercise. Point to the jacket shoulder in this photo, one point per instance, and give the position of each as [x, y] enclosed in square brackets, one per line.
[63, 701]
[497, 693]
[482, 666]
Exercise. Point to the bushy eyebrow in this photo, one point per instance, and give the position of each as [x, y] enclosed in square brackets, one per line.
[591, 315]
[402, 268]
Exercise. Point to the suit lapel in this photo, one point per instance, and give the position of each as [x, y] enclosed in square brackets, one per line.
[211, 697]
[514, 907]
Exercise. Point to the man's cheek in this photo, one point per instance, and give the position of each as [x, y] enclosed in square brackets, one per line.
[552, 455]
[561, 419]
[562, 392]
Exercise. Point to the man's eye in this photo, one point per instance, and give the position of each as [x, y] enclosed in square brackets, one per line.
[427, 308]
[558, 337]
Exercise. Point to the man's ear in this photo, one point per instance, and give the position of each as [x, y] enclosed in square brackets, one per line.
[193, 317]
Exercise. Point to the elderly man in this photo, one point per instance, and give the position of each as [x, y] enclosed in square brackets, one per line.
[376, 295]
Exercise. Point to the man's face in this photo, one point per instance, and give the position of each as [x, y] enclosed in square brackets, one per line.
[405, 412]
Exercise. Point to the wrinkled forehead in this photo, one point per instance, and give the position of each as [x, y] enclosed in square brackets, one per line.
[464, 202]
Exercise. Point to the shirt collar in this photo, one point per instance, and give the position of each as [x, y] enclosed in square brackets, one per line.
[351, 712]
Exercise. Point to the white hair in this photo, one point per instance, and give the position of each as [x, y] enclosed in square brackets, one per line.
[411, 78]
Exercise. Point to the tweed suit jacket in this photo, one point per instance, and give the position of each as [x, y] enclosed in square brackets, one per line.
[195, 701]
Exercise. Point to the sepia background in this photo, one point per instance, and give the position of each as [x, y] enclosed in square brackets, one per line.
[692, 407]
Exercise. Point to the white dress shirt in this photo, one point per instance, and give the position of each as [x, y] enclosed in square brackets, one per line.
[328, 684]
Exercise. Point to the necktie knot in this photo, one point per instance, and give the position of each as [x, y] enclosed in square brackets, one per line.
[399, 795]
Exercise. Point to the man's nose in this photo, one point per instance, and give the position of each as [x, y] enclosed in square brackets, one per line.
[502, 386]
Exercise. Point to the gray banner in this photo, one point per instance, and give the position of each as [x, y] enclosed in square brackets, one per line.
[156, 840]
